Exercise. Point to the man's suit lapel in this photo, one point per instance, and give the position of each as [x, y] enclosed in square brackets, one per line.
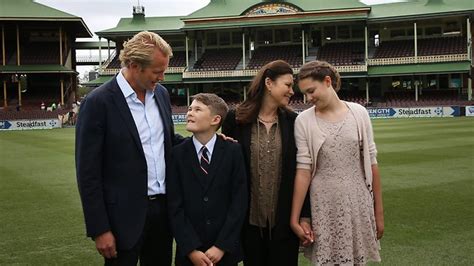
[163, 112]
[125, 113]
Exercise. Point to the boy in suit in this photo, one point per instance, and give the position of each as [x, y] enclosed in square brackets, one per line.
[207, 190]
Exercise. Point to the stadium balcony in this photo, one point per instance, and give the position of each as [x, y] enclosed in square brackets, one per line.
[263, 55]
[177, 64]
[40, 53]
[178, 59]
[392, 49]
[343, 54]
[430, 50]
[442, 46]
[224, 63]
[218, 59]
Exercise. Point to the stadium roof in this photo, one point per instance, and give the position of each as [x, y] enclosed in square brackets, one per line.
[28, 10]
[92, 45]
[251, 13]
[220, 14]
[276, 21]
[98, 81]
[169, 79]
[25, 69]
[133, 25]
[421, 9]
[231, 8]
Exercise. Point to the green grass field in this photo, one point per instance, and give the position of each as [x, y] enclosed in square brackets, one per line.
[427, 168]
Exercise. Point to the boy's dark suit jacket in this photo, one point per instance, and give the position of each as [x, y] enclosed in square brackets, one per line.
[207, 211]
[242, 133]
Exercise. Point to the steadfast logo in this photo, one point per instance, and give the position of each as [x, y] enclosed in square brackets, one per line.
[5, 125]
[417, 111]
[29, 124]
[469, 110]
[436, 111]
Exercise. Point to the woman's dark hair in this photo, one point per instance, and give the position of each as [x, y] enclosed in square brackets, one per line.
[247, 112]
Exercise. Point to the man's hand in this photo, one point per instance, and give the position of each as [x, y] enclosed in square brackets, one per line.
[198, 258]
[105, 244]
[215, 254]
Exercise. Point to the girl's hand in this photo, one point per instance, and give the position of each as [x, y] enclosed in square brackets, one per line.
[301, 234]
[379, 221]
[305, 223]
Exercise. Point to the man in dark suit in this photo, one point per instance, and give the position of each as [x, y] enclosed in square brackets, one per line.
[124, 136]
[207, 189]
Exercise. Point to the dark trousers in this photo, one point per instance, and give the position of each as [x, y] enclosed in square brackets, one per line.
[262, 250]
[155, 245]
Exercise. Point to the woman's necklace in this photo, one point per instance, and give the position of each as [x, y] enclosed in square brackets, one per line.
[273, 120]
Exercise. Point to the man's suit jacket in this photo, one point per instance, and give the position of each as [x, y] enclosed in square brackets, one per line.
[110, 163]
[242, 133]
[207, 210]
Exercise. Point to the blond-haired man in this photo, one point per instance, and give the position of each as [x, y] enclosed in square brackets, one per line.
[124, 134]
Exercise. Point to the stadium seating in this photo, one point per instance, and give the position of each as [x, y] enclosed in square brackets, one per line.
[178, 59]
[36, 53]
[115, 63]
[179, 109]
[13, 114]
[427, 98]
[440, 46]
[219, 59]
[348, 53]
[264, 55]
[431, 46]
[392, 49]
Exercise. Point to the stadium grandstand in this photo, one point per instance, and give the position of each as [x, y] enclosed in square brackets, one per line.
[37, 62]
[419, 55]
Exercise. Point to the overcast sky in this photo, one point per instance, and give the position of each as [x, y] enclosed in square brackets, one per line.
[104, 14]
